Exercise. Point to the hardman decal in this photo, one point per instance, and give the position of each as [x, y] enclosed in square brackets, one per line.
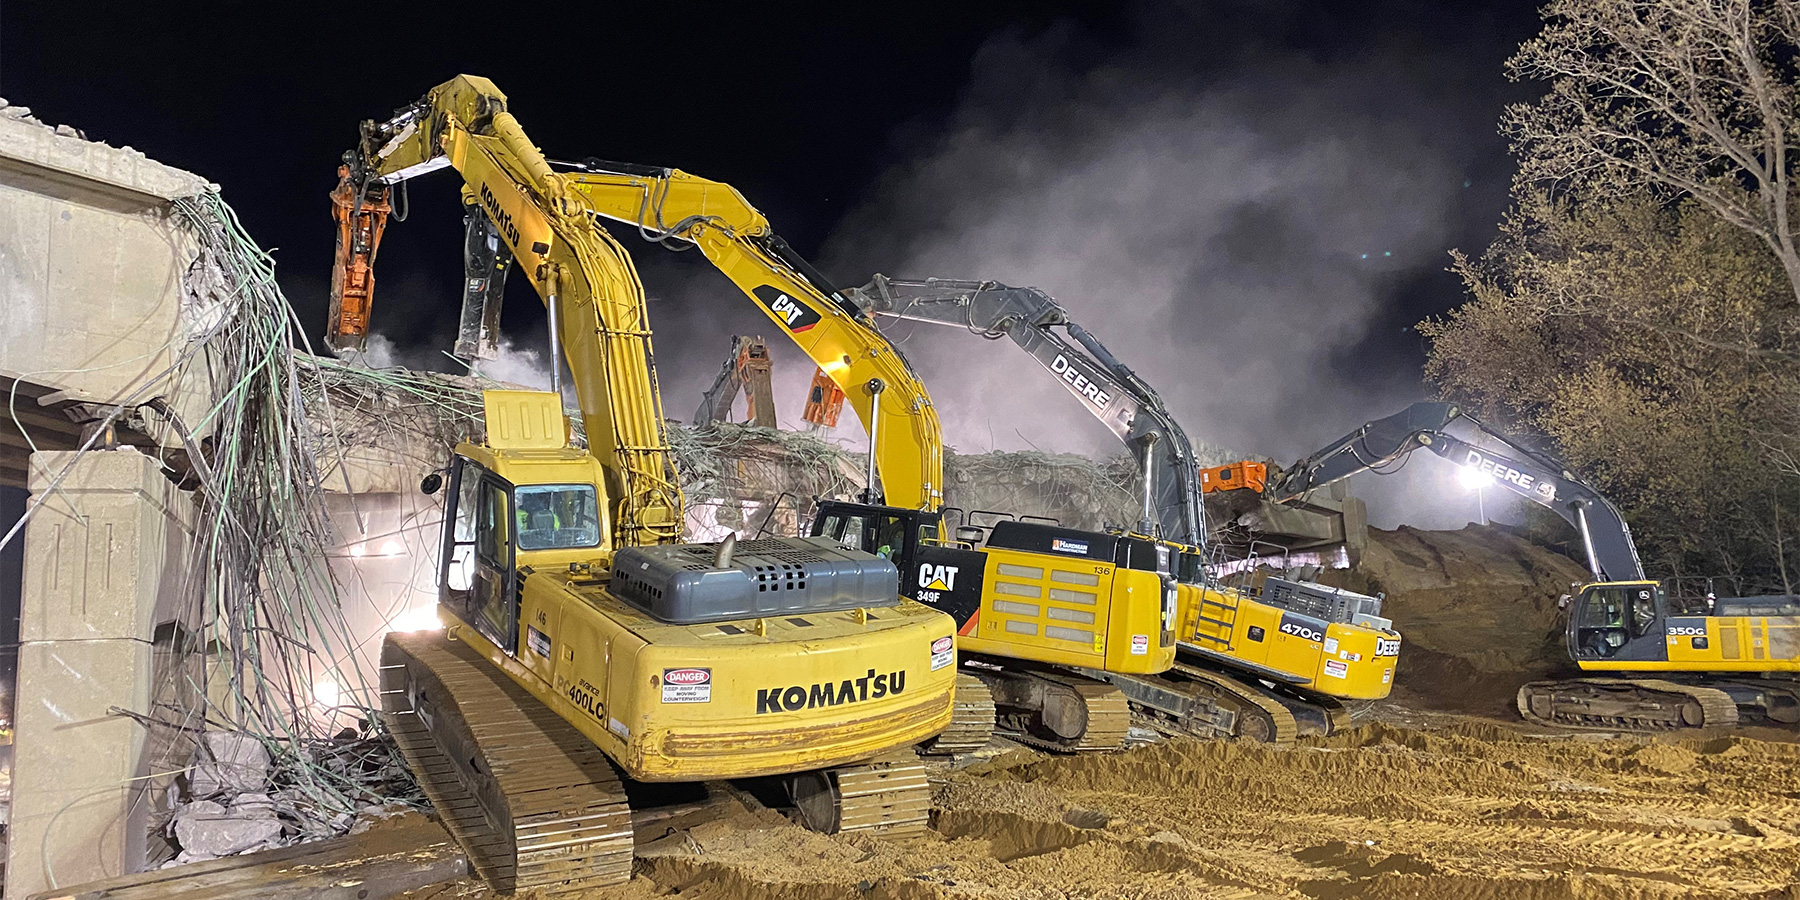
[793, 314]
[797, 697]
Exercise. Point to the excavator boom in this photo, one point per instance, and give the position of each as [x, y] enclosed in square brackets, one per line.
[671, 205]
[590, 289]
[1606, 538]
[1105, 387]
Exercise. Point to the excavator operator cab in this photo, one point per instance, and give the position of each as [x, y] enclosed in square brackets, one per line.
[885, 531]
[1608, 620]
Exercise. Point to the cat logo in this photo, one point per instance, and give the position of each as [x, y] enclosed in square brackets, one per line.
[792, 314]
[937, 578]
[935, 581]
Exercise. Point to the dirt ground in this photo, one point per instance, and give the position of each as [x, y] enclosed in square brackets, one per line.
[1451, 807]
[1439, 792]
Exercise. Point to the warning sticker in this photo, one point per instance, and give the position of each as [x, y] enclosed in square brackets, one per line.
[539, 641]
[943, 653]
[1336, 669]
[1331, 645]
[687, 686]
[1140, 645]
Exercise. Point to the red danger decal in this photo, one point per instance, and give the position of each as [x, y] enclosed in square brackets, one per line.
[941, 645]
[687, 676]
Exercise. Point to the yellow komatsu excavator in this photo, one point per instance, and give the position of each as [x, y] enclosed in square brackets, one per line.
[1051, 601]
[585, 645]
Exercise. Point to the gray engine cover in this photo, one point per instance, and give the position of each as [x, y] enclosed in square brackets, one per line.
[1319, 601]
[678, 583]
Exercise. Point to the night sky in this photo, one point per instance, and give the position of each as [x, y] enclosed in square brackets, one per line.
[1260, 150]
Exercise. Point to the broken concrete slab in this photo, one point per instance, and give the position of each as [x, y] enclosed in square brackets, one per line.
[208, 830]
[228, 763]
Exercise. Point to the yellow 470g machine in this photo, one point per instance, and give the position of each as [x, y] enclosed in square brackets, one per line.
[584, 643]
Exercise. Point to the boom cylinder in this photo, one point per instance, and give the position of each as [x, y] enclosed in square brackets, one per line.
[1147, 524]
[876, 386]
[552, 302]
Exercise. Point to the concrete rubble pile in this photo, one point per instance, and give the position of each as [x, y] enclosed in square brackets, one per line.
[177, 593]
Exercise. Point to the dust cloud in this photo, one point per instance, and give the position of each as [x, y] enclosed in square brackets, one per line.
[1251, 232]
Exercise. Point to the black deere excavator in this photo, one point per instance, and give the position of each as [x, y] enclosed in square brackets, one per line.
[1685, 661]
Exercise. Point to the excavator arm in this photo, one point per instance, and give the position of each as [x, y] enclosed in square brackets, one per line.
[1606, 538]
[670, 205]
[589, 287]
[1105, 387]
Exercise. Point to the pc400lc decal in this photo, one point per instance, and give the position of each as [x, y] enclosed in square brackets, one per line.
[830, 693]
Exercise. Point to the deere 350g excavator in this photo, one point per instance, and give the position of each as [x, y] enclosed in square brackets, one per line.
[584, 643]
[1695, 661]
[1269, 665]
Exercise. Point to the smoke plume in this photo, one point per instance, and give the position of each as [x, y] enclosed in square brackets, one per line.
[1238, 230]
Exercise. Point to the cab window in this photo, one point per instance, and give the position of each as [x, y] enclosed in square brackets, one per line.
[884, 536]
[557, 516]
[1643, 609]
[890, 537]
[846, 530]
[1605, 608]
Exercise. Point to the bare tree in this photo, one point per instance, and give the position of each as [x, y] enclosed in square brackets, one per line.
[1693, 97]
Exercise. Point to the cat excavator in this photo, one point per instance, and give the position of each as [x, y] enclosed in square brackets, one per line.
[1041, 610]
[584, 644]
[1268, 665]
[1660, 660]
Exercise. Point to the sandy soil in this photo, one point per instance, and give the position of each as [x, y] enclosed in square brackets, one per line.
[1450, 807]
[1437, 793]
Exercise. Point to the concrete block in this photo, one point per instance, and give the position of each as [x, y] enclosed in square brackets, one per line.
[207, 830]
[63, 159]
[91, 261]
[78, 809]
[106, 551]
[229, 763]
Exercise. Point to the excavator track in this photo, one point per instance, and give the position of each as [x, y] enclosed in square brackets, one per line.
[1059, 711]
[1199, 702]
[1625, 703]
[889, 795]
[972, 722]
[532, 801]
[1260, 717]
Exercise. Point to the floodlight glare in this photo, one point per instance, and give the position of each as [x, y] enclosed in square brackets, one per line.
[1473, 478]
